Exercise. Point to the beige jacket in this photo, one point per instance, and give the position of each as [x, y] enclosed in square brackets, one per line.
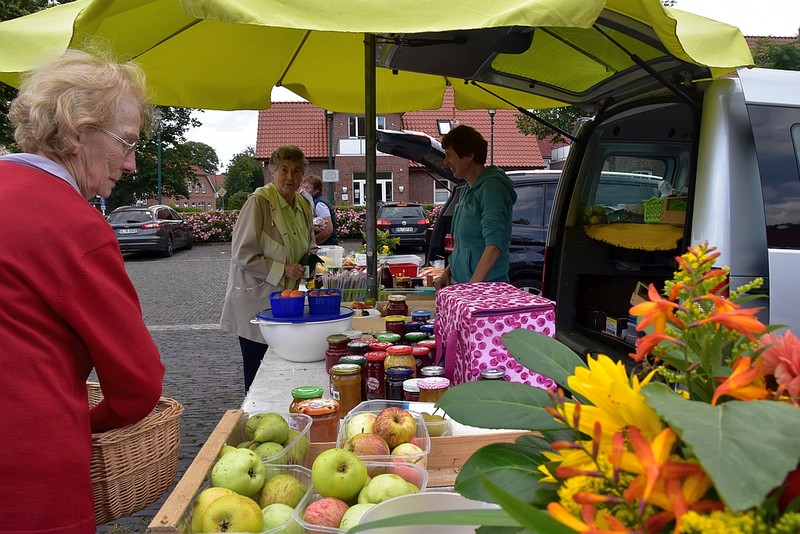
[258, 256]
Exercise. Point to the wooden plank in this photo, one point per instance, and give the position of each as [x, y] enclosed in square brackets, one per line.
[449, 452]
[174, 513]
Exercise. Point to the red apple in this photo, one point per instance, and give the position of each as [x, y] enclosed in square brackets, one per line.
[410, 453]
[395, 425]
[367, 445]
[326, 512]
[404, 470]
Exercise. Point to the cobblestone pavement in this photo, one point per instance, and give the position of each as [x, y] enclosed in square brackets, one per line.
[181, 300]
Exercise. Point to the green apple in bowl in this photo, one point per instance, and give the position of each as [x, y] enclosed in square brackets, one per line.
[284, 488]
[384, 487]
[279, 515]
[338, 473]
[233, 513]
[201, 502]
[241, 470]
[353, 515]
[361, 423]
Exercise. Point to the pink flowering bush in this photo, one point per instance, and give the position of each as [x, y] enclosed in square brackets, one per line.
[212, 226]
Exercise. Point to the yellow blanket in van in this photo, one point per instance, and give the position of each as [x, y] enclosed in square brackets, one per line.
[637, 236]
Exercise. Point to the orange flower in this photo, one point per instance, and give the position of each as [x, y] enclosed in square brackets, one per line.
[782, 359]
[656, 311]
[645, 345]
[744, 383]
[588, 522]
[740, 319]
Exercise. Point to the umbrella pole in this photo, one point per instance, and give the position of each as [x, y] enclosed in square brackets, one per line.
[371, 164]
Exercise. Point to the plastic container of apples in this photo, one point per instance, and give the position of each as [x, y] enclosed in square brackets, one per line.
[410, 472]
[420, 439]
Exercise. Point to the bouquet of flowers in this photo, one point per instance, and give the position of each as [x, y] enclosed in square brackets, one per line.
[705, 438]
[383, 243]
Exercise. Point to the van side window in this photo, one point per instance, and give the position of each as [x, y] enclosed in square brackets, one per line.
[529, 208]
[777, 137]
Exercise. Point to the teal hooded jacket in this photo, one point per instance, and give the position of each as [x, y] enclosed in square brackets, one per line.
[483, 217]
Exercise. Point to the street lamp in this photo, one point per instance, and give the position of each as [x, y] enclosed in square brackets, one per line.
[158, 115]
[329, 115]
[491, 136]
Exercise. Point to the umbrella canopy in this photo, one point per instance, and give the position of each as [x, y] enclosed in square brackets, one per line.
[228, 54]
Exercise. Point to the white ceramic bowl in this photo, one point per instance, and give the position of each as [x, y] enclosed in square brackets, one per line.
[422, 502]
[302, 341]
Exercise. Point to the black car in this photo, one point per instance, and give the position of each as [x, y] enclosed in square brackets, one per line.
[404, 220]
[150, 229]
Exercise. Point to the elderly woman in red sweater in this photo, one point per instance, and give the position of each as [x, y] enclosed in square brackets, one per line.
[68, 305]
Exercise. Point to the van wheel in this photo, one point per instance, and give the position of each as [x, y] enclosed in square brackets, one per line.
[528, 284]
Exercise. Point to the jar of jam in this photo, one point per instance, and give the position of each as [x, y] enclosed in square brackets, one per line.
[388, 337]
[346, 380]
[415, 337]
[373, 372]
[324, 415]
[420, 315]
[337, 347]
[359, 348]
[401, 356]
[361, 362]
[422, 356]
[365, 338]
[431, 370]
[302, 393]
[431, 389]
[411, 390]
[396, 324]
[397, 305]
[379, 346]
[429, 344]
[395, 376]
[414, 326]
[492, 373]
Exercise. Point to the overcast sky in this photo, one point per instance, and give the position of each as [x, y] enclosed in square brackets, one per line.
[230, 132]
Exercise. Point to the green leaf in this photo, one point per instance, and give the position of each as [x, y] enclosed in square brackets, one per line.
[542, 354]
[746, 447]
[490, 517]
[500, 405]
[508, 465]
[529, 516]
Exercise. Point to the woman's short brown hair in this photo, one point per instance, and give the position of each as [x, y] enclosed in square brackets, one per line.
[314, 181]
[287, 153]
[465, 140]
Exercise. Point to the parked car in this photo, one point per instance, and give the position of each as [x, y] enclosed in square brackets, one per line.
[404, 220]
[150, 229]
[725, 148]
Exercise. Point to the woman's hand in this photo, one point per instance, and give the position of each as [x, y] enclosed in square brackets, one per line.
[293, 271]
[443, 280]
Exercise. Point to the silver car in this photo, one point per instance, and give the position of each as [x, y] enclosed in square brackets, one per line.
[150, 229]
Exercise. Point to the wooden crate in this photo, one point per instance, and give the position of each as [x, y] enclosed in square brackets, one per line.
[448, 454]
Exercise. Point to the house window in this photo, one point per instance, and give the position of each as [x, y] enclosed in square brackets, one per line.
[383, 181]
[358, 126]
[185, 204]
[203, 206]
[203, 188]
[444, 126]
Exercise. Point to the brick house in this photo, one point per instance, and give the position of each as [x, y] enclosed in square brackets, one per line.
[202, 192]
[308, 126]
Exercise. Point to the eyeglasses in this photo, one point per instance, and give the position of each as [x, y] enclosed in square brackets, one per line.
[129, 147]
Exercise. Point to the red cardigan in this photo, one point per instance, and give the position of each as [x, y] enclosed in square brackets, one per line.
[67, 305]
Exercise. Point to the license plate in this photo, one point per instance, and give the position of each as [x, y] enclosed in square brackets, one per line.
[122, 231]
[404, 229]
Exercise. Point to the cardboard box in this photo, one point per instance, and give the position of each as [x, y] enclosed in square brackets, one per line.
[673, 211]
[639, 294]
[447, 456]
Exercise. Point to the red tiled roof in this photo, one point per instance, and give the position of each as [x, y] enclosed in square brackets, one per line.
[292, 123]
[753, 39]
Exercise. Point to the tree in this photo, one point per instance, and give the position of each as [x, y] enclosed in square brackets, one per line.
[236, 200]
[200, 154]
[771, 55]
[564, 118]
[245, 173]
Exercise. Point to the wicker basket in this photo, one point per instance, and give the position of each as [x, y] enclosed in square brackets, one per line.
[134, 465]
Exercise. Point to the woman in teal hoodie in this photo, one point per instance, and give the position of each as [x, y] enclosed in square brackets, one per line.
[482, 221]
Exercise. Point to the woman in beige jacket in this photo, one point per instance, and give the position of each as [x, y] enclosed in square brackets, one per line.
[273, 233]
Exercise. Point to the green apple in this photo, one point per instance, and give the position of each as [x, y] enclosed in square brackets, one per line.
[353, 515]
[225, 450]
[232, 513]
[384, 487]
[279, 515]
[338, 473]
[362, 423]
[201, 502]
[298, 452]
[251, 424]
[268, 449]
[284, 489]
[271, 427]
[241, 471]
[326, 512]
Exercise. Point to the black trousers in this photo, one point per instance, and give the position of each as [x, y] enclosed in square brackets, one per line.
[252, 354]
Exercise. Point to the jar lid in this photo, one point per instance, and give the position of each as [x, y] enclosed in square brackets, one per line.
[433, 382]
[395, 318]
[365, 338]
[432, 370]
[338, 338]
[431, 321]
[346, 369]
[410, 385]
[375, 356]
[318, 406]
[420, 351]
[399, 372]
[379, 345]
[307, 392]
[421, 314]
[352, 334]
[390, 337]
[397, 298]
[427, 343]
[353, 360]
[493, 373]
[416, 336]
[361, 346]
[414, 326]
[399, 350]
